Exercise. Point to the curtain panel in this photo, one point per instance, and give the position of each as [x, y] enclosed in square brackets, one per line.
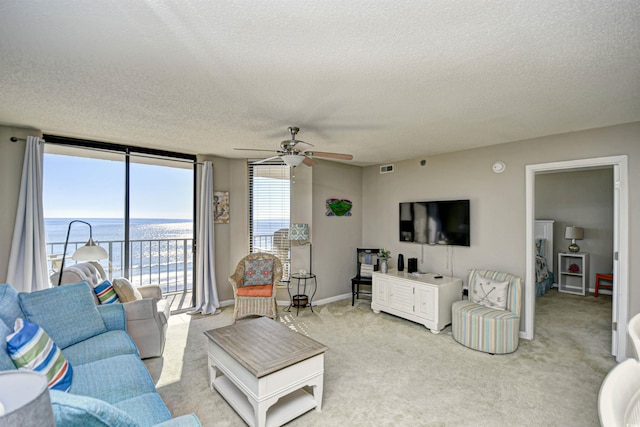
[28, 270]
[205, 287]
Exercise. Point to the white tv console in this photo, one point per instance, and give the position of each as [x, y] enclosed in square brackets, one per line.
[422, 298]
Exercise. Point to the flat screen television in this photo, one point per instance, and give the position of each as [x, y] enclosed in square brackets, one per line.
[436, 223]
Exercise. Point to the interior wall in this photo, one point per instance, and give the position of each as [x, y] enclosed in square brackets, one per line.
[336, 237]
[11, 159]
[497, 200]
[582, 198]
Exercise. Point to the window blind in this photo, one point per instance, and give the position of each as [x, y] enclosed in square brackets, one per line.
[269, 211]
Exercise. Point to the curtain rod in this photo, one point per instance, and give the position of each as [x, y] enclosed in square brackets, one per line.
[16, 139]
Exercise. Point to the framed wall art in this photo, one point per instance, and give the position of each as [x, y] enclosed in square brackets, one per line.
[221, 207]
[339, 207]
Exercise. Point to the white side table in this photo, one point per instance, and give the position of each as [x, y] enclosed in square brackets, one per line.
[573, 272]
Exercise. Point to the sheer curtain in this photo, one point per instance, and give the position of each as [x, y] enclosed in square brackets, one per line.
[205, 288]
[27, 270]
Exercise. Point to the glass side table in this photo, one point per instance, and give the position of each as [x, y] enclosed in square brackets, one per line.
[303, 297]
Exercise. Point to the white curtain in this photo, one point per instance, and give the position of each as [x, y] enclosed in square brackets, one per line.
[205, 288]
[28, 269]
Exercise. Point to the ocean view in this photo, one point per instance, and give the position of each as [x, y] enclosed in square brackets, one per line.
[160, 249]
[106, 229]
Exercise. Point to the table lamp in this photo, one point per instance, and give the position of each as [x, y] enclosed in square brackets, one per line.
[574, 233]
[24, 400]
[300, 233]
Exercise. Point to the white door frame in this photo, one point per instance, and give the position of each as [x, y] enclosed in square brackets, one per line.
[621, 243]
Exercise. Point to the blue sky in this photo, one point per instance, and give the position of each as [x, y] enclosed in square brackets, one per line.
[80, 187]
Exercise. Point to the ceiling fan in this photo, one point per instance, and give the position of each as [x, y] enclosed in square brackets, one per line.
[293, 152]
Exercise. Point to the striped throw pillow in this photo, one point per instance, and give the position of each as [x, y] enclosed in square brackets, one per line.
[105, 293]
[31, 348]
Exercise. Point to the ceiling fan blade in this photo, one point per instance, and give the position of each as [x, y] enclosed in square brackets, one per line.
[326, 155]
[256, 149]
[302, 146]
[265, 160]
[309, 161]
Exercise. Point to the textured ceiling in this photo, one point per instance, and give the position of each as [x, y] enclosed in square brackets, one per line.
[383, 80]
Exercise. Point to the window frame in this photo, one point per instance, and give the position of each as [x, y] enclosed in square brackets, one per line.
[128, 151]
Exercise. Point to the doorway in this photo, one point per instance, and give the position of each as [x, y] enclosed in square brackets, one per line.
[620, 242]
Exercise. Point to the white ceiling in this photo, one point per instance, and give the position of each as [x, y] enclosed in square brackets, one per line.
[383, 80]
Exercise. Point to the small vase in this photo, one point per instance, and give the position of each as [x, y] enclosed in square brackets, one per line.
[383, 266]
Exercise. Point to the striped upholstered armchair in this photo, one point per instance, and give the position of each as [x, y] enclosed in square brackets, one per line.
[489, 320]
[254, 285]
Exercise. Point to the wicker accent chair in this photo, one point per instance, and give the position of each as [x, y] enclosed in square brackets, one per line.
[482, 328]
[255, 300]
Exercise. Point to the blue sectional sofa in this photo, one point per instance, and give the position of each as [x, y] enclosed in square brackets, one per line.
[110, 384]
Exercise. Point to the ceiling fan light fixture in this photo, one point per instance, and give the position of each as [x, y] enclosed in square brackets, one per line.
[292, 160]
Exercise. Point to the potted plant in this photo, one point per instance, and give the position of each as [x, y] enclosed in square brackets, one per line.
[384, 256]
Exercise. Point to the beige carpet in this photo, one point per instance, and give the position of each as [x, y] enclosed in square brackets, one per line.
[385, 371]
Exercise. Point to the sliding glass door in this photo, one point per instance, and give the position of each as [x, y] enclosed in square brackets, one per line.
[140, 207]
[79, 187]
[161, 224]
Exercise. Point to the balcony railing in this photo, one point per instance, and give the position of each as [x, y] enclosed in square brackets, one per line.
[164, 262]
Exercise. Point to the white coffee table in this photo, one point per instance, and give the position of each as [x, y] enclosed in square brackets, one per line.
[262, 368]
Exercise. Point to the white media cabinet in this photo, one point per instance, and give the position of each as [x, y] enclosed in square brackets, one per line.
[419, 298]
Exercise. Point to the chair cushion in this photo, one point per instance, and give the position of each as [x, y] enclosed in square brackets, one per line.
[109, 344]
[75, 410]
[255, 291]
[149, 409]
[490, 293]
[258, 272]
[67, 313]
[113, 379]
[125, 290]
[31, 348]
[105, 293]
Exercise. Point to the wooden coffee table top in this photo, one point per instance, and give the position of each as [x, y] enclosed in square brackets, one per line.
[263, 345]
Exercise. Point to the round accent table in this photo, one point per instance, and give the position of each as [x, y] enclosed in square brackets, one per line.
[303, 297]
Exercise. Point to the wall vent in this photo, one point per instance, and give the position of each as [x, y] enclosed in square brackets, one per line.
[386, 169]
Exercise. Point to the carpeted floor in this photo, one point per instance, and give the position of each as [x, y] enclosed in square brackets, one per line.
[385, 371]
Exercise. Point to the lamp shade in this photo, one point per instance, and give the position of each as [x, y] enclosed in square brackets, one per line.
[292, 160]
[299, 232]
[573, 232]
[24, 399]
[90, 252]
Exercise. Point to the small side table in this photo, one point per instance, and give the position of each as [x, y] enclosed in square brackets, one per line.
[573, 272]
[302, 299]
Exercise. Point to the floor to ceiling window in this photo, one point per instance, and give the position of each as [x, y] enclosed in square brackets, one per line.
[269, 211]
[140, 207]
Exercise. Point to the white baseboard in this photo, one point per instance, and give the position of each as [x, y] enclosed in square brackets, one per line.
[286, 303]
[324, 301]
